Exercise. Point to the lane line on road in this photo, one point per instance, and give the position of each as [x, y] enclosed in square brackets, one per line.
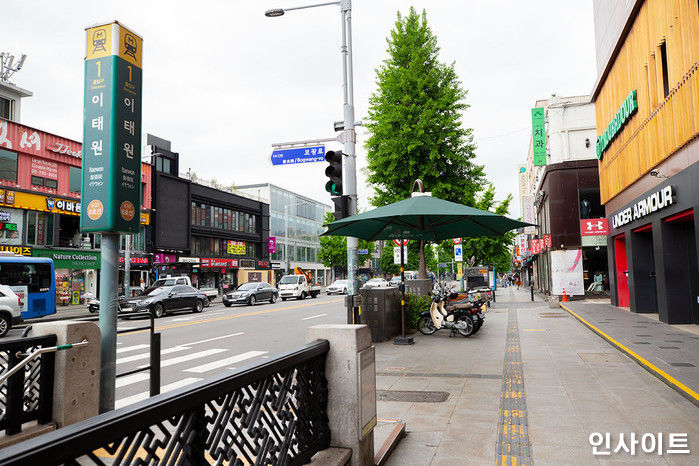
[225, 362]
[678, 386]
[136, 357]
[215, 338]
[314, 317]
[234, 316]
[181, 319]
[189, 357]
[130, 379]
[145, 395]
[131, 348]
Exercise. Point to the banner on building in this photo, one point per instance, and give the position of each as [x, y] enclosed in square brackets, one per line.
[111, 185]
[528, 214]
[567, 272]
[539, 135]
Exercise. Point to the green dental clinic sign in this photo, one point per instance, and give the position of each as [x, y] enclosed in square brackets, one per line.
[539, 135]
[628, 108]
[111, 182]
[70, 258]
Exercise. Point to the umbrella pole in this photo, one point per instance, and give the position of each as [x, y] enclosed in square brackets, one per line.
[402, 340]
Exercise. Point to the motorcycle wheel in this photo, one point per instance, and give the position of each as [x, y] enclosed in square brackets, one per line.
[426, 326]
[469, 330]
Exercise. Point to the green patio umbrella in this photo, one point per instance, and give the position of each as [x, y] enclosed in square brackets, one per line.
[421, 217]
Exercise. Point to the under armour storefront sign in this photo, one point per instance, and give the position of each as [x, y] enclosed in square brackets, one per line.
[656, 201]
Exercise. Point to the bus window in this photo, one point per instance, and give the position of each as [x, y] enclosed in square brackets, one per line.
[36, 277]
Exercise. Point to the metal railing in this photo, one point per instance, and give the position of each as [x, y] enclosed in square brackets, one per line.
[27, 395]
[154, 346]
[274, 412]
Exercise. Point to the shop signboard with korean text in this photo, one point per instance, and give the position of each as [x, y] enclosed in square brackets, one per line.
[272, 244]
[42, 203]
[539, 135]
[111, 185]
[236, 248]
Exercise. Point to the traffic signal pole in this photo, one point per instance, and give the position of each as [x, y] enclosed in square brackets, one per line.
[349, 137]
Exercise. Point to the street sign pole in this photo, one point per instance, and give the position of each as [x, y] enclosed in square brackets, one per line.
[109, 282]
[349, 138]
[111, 171]
[127, 267]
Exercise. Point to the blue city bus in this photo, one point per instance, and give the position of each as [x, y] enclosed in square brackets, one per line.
[37, 274]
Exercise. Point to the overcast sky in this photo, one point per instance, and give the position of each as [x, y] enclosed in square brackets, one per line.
[223, 82]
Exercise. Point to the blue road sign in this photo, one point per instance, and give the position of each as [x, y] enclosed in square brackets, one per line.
[298, 155]
[363, 251]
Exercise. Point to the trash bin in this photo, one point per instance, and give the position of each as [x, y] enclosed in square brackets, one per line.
[381, 312]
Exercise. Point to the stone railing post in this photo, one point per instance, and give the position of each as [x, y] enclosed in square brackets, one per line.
[77, 370]
[351, 372]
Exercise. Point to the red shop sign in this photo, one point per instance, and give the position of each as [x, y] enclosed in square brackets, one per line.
[594, 227]
[135, 260]
[547, 241]
[215, 262]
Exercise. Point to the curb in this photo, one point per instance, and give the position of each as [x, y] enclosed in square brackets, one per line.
[675, 384]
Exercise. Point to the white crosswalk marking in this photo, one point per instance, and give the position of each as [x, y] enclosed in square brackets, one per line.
[181, 319]
[189, 357]
[133, 378]
[225, 362]
[131, 348]
[136, 357]
[145, 395]
[215, 338]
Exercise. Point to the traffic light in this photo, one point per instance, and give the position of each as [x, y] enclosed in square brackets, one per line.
[341, 207]
[334, 183]
[334, 172]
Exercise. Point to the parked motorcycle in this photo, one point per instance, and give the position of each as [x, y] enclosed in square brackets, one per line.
[464, 318]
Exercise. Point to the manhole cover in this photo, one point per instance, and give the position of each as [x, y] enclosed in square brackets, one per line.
[599, 358]
[412, 396]
[546, 315]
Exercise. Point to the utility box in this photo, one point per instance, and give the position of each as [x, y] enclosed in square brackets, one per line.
[381, 312]
[418, 287]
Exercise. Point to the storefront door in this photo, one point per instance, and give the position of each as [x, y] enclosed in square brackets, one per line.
[622, 272]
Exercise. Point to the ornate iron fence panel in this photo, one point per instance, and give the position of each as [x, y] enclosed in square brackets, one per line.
[28, 394]
[274, 412]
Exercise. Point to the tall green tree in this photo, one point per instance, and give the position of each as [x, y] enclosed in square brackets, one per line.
[491, 249]
[414, 124]
[333, 249]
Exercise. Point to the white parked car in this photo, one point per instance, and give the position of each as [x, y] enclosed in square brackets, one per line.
[376, 283]
[338, 286]
[10, 309]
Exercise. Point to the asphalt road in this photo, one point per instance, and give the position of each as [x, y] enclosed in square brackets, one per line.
[196, 346]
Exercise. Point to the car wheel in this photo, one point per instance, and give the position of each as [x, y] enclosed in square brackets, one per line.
[251, 301]
[303, 295]
[158, 311]
[199, 306]
[227, 304]
[273, 299]
[5, 324]
[344, 291]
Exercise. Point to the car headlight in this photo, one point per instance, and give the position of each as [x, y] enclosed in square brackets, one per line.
[146, 302]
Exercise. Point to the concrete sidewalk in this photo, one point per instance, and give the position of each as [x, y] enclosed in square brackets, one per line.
[665, 351]
[572, 384]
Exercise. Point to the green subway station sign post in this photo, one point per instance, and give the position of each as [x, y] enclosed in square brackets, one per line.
[111, 181]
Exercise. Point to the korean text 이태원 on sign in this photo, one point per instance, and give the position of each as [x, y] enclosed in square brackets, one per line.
[111, 185]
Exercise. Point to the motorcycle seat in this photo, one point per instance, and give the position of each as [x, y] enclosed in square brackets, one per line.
[458, 306]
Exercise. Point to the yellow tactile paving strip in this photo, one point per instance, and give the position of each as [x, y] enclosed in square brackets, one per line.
[513, 446]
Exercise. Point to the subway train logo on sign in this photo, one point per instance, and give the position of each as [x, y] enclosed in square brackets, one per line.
[656, 201]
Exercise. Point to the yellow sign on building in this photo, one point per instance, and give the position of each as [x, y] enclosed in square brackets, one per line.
[29, 201]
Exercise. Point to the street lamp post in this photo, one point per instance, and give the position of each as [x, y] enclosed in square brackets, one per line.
[348, 137]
